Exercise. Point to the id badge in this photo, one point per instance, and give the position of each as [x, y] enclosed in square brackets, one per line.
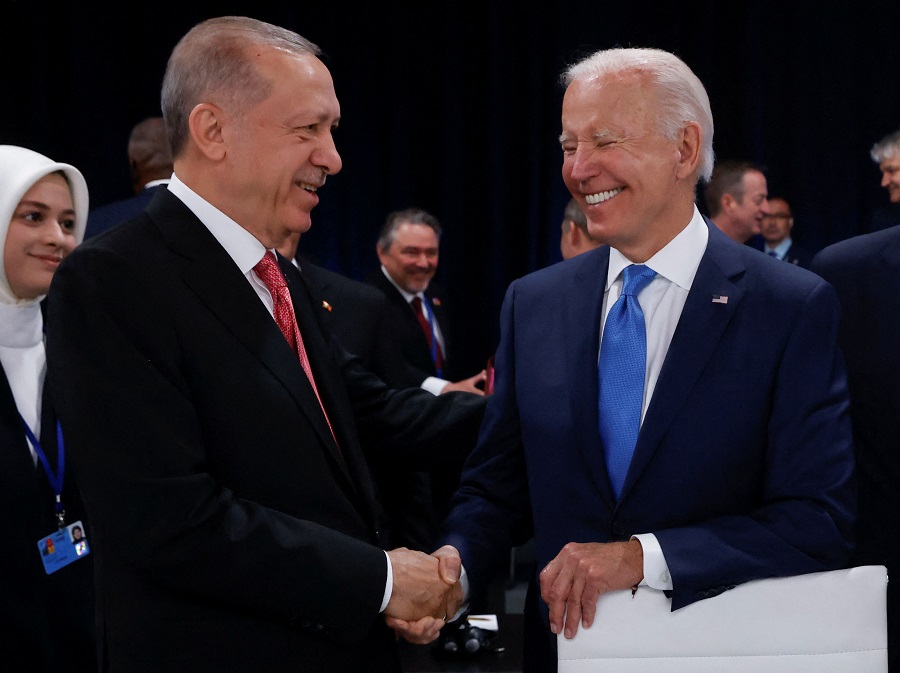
[63, 547]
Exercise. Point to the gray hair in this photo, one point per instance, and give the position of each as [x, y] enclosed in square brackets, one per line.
[574, 214]
[886, 148]
[211, 64]
[682, 95]
[408, 216]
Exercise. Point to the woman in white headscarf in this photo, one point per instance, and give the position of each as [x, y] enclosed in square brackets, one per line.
[46, 604]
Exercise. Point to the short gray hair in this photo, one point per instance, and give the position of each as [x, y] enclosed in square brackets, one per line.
[682, 95]
[408, 216]
[886, 148]
[211, 64]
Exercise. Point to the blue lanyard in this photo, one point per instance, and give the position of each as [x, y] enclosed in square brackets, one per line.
[429, 314]
[55, 478]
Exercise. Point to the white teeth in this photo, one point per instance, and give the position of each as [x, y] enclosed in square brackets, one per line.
[600, 197]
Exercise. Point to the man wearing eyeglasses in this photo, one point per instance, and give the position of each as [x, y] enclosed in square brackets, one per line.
[775, 232]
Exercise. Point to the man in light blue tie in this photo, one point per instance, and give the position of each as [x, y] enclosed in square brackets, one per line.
[742, 466]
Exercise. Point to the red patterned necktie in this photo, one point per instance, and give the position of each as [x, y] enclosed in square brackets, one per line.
[438, 357]
[269, 273]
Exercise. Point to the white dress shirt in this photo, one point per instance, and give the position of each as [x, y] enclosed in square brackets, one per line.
[662, 302]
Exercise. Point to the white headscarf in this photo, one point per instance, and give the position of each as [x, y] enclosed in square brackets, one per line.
[20, 169]
[21, 324]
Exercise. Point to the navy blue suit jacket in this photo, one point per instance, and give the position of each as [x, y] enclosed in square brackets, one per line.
[743, 467]
[109, 215]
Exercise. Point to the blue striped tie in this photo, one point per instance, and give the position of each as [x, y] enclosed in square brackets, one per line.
[621, 371]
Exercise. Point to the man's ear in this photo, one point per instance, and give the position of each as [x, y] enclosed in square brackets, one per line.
[205, 124]
[689, 150]
[575, 235]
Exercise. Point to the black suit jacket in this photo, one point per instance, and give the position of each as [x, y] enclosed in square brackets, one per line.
[359, 316]
[408, 333]
[231, 531]
[865, 271]
[46, 621]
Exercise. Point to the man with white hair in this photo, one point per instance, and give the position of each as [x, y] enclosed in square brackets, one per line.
[669, 410]
[886, 153]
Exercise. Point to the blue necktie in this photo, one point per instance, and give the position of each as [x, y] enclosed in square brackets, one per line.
[772, 253]
[621, 370]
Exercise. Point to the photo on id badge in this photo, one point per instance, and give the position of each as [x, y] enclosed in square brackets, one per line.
[63, 547]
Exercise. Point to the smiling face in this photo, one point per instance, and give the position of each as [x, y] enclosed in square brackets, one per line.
[751, 206]
[41, 233]
[634, 185]
[890, 176]
[412, 257]
[278, 152]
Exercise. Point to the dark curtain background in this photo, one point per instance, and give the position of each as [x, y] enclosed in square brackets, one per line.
[454, 107]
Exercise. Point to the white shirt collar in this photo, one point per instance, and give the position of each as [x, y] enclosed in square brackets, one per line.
[677, 261]
[157, 183]
[406, 295]
[243, 247]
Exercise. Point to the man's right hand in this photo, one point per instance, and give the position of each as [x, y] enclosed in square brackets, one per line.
[424, 586]
[469, 385]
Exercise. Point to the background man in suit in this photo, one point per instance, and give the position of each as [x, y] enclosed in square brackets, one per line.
[865, 271]
[736, 198]
[775, 235]
[359, 316]
[408, 249]
[575, 238]
[730, 458]
[150, 162]
[886, 153]
[216, 428]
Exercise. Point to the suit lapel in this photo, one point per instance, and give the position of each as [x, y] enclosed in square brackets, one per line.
[212, 275]
[329, 381]
[699, 329]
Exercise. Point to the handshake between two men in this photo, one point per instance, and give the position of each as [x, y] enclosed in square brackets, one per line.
[426, 593]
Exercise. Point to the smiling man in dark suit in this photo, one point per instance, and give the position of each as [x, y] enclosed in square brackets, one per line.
[216, 426]
[669, 409]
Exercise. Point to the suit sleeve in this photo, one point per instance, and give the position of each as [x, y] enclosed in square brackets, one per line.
[804, 522]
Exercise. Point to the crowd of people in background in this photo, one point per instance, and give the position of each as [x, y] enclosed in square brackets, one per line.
[268, 462]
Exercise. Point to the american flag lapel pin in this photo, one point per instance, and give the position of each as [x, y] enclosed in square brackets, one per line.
[719, 299]
[436, 301]
[326, 305]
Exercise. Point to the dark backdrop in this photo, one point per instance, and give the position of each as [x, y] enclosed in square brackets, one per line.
[454, 107]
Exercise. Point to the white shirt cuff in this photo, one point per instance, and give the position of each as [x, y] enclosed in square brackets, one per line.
[656, 570]
[434, 385]
[388, 585]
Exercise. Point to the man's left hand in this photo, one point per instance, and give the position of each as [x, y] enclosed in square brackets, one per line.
[573, 581]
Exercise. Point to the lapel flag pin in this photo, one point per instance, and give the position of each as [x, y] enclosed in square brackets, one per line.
[435, 301]
[326, 305]
[719, 299]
